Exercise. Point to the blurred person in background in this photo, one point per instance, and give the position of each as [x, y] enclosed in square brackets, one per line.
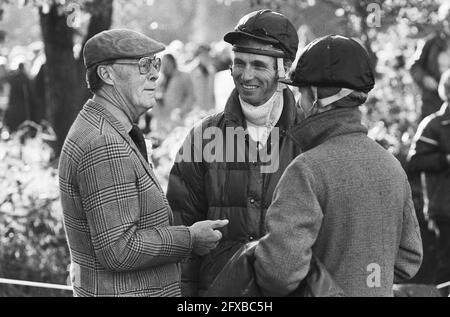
[38, 74]
[431, 60]
[178, 50]
[223, 82]
[40, 105]
[20, 98]
[221, 55]
[264, 46]
[174, 93]
[202, 71]
[430, 153]
[3, 73]
[4, 89]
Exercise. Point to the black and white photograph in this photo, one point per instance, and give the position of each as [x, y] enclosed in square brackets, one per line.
[224, 152]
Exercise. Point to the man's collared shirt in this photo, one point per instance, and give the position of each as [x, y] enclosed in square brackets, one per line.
[120, 115]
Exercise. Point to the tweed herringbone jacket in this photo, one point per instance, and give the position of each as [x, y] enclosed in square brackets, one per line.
[116, 216]
[347, 201]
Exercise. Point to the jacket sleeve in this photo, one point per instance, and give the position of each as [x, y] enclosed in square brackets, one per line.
[109, 194]
[418, 68]
[425, 154]
[187, 198]
[282, 258]
[410, 253]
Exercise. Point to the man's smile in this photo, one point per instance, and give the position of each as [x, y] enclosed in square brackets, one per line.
[249, 87]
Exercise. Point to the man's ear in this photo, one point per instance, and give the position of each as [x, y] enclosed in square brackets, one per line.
[105, 73]
[287, 66]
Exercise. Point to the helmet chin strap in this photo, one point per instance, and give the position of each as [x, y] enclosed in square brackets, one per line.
[281, 73]
[344, 92]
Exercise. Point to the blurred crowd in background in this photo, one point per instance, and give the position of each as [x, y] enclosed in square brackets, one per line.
[194, 76]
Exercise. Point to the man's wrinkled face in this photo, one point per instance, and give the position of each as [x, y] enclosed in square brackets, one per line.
[135, 89]
[255, 77]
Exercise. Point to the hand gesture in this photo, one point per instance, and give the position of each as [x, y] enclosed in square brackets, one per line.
[205, 236]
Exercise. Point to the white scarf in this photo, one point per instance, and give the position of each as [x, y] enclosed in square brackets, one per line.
[262, 119]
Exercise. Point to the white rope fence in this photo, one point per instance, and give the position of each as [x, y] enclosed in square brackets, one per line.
[35, 284]
[69, 288]
[443, 285]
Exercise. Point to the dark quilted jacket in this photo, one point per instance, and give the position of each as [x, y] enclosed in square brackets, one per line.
[428, 154]
[237, 191]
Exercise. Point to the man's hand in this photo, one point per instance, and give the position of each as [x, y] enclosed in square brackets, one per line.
[430, 83]
[205, 236]
[448, 158]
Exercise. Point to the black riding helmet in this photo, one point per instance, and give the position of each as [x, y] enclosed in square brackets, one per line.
[269, 27]
[334, 61]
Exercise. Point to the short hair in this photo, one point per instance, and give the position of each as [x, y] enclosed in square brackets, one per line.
[94, 82]
[444, 86]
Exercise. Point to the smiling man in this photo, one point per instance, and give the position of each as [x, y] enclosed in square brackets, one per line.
[117, 219]
[264, 45]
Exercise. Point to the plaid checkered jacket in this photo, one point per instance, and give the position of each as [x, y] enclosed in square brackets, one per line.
[116, 216]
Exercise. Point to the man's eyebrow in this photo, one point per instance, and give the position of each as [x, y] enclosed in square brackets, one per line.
[258, 63]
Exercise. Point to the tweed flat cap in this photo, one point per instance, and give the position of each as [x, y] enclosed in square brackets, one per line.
[118, 43]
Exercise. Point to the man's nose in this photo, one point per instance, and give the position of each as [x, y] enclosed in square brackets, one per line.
[248, 73]
[153, 75]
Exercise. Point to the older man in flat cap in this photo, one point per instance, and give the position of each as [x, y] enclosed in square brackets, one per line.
[117, 219]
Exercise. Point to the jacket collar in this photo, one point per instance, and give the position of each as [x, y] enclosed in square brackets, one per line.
[234, 117]
[322, 127]
[92, 106]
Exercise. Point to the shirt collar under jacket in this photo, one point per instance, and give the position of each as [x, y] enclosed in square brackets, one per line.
[259, 116]
[120, 115]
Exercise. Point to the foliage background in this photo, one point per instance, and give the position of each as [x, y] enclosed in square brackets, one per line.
[32, 240]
